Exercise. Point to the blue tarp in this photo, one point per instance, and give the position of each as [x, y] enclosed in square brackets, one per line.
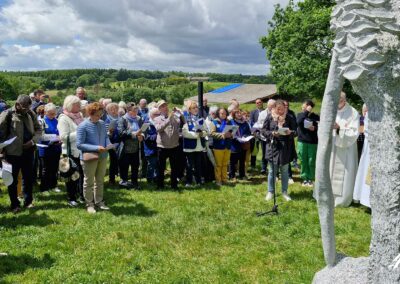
[226, 88]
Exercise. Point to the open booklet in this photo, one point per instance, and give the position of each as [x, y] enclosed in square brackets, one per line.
[308, 123]
[233, 128]
[7, 142]
[144, 127]
[112, 146]
[245, 139]
[282, 130]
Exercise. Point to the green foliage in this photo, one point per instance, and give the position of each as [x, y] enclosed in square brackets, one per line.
[7, 91]
[298, 47]
[86, 80]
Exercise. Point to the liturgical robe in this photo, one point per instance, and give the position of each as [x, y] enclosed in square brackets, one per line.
[344, 158]
[363, 179]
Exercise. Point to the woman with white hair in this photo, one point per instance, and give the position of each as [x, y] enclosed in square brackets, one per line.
[50, 155]
[67, 126]
[111, 122]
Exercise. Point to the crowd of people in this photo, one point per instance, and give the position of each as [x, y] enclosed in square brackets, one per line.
[81, 140]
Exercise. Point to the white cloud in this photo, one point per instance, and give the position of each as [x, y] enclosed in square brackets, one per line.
[196, 35]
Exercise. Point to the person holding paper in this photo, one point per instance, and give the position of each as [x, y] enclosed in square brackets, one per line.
[111, 123]
[93, 142]
[20, 122]
[239, 147]
[67, 126]
[344, 160]
[167, 125]
[222, 145]
[280, 146]
[128, 153]
[307, 130]
[194, 144]
[50, 155]
[150, 146]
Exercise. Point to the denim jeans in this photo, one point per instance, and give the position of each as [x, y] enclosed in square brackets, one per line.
[152, 167]
[273, 170]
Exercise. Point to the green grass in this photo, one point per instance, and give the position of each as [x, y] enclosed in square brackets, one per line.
[196, 236]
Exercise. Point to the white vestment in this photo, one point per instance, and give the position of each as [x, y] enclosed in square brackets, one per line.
[344, 158]
[363, 179]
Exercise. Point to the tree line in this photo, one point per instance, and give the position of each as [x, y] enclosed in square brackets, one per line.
[118, 83]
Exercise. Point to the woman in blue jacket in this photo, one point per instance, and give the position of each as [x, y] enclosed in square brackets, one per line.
[92, 141]
[222, 145]
[50, 155]
[238, 148]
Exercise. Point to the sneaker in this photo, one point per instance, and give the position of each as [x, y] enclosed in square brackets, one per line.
[73, 203]
[29, 206]
[188, 185]
[16, 210]
[291, 181]
[310, 184]
[103, 207]
[81, 201]
[123, 184]
[286, 196]
[91, 210]
[304, 183]
[57, 189]
[269, 196]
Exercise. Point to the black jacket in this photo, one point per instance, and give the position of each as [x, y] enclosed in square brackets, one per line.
[306, 135]
[280, 149]
[254, 116]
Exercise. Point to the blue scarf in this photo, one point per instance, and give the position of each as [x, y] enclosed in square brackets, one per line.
[133, 122]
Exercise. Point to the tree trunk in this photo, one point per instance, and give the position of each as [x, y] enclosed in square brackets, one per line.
[323, 186]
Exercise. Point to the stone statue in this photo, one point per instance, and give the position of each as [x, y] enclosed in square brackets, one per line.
[366, 52]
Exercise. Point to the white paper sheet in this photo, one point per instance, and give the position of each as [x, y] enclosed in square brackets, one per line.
[7, 142]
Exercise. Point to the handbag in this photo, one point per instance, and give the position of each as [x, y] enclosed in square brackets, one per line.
[90, 156]
[67, 167]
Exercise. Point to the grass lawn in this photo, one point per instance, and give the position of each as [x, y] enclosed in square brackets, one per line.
[205, 235]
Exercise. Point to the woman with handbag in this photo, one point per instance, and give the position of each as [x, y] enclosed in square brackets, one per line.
[93, 141]
[238, 147]
[68, 123]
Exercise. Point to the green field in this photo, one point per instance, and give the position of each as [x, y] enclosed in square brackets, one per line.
[207, 235]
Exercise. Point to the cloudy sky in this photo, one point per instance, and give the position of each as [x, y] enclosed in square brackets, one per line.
[186, 35]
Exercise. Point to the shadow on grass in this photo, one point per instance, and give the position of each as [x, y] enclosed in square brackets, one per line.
[17, 264]
[137, 209]
[36, 220]
[306, 194]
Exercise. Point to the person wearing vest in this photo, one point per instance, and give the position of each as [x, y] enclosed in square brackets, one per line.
[111, 122]
[20, 122]
[238, 149]
[92, 141]
[167, 126]
[50, 156]
[150, 147]
[128, 153]
[194, 144]
[222, 145]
